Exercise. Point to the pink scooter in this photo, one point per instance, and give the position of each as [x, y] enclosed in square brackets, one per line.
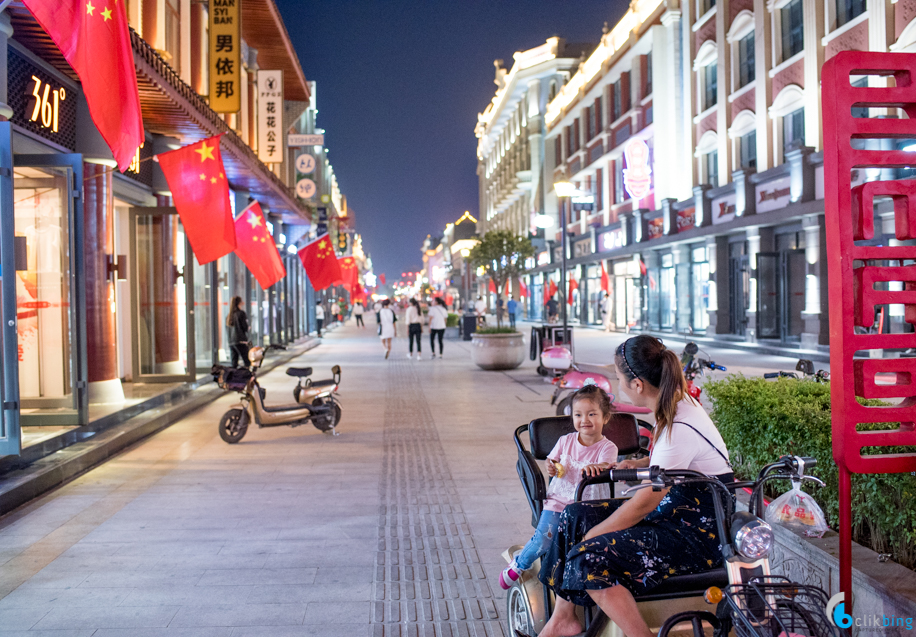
[569, 376]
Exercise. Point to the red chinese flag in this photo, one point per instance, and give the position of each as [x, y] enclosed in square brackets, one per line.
[605, 281]
[200, 191]
[256, 248]
[572, 286]
[492, 287]
[350, 273]
[506, 293]
[95, 40]
[523, 289]
[381, 278]
[551, 290]
[320, 263]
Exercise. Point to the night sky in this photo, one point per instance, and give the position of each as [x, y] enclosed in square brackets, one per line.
[400, 85]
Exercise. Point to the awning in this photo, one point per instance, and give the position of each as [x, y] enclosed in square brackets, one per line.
[170, 107]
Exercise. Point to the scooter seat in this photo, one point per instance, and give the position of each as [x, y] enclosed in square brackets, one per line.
[299, 372]
[322, 383]
[687, 585]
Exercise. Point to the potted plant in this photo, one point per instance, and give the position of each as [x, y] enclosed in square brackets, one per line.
[451, 326]
[501, 254]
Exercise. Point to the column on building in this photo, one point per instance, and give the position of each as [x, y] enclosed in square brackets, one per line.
[816, 315]
[98, 219]
[717, 254]
[162, 278]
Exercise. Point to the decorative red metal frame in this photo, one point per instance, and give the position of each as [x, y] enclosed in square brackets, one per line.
[854, 269]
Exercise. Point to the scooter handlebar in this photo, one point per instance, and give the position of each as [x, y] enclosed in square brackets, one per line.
[632, 475]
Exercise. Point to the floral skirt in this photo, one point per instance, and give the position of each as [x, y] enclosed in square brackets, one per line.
[677, 538]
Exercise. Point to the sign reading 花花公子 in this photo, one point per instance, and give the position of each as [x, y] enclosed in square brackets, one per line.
[270, 116]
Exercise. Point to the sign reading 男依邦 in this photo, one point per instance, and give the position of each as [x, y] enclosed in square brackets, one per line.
[225, 56]
[270, 116]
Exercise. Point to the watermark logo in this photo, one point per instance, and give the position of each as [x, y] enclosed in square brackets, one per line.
[836, 611]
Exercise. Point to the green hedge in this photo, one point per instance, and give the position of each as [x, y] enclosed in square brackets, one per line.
[761, 420]
[451, 320]
[497, 330]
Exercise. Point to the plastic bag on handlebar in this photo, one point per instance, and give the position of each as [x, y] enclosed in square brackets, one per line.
[796, 510]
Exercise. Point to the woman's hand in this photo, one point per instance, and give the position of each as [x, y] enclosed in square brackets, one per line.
[593, 470]
[627, 464]
[551, 468]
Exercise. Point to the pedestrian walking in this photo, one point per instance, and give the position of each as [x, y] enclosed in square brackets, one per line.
[606, 312]
[438, 314]
[377, 308]
[358, 311]
[481, 308]
[414, 326]
[319, 316]
[388, 328]
[553, 309]
[335, 312]
[512, 309]
[237, 322]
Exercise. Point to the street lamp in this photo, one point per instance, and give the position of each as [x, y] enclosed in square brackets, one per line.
[564, 190]
[465, 253]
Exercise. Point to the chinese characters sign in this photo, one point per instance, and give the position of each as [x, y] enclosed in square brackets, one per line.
[225, 56]
[868, 270]
[270, 116]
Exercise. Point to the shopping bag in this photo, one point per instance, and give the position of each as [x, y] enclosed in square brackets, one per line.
[796, 510]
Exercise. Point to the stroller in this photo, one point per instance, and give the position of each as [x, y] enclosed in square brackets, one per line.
[529, 603]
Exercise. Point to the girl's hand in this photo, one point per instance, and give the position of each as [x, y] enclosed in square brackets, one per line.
[627, 464]
[593, 470]
[551, 468]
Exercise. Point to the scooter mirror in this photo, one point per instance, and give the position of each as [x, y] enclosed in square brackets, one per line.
[691, 349]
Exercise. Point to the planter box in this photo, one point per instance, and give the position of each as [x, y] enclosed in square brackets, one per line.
[498, 351]
[453, 333]
[879, 588]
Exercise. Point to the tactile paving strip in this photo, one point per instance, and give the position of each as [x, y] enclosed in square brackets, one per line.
[428, 579]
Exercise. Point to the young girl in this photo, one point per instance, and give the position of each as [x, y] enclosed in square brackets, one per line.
[587, 450]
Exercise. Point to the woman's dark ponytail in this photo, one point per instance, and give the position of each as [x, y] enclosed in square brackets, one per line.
[646, 358]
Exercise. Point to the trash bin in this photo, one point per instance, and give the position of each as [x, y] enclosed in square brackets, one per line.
[469, 325]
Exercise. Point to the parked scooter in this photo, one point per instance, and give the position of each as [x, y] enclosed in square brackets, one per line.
[807, 371]
[323, 411]
[694, 365]
[570, 376]
[750, 599]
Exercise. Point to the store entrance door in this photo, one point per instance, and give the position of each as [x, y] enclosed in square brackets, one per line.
[768, 295]
[10, 432]
[738, 287]
[781, 294]
[162, 295]
[50, 290]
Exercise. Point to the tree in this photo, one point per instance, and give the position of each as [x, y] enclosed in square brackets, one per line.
[502, 256]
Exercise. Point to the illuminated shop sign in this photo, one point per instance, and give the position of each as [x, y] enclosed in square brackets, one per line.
[636, 175]
[611, 240]
[42, 104]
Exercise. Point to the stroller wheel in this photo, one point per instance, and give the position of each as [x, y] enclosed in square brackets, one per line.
[518, 615]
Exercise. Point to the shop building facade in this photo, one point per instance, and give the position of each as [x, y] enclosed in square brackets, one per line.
[727, 240]
[109, 305]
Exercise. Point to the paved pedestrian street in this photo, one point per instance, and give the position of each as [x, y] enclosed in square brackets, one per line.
[393, 527]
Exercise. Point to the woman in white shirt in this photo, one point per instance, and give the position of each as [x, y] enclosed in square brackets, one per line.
[605, 551]
[388, 328]
[437, 318]
[358, 313]
[319, 316]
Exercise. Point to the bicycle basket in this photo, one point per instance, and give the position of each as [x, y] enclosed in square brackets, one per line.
[777, 607]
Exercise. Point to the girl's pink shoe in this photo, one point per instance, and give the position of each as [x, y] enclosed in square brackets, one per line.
[508, 576]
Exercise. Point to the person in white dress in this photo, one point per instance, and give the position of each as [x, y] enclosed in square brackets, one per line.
[438, 315]
[388, 328]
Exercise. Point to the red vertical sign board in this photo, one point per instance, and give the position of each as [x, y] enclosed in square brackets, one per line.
[864, 276]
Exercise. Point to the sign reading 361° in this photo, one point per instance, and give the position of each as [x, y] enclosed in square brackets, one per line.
[305, 188]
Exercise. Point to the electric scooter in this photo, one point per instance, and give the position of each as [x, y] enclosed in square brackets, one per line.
[752, 598]
[323, 412]
[693, 366]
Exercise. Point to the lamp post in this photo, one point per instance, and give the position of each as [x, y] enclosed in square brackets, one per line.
[465, 253]
[565, 190]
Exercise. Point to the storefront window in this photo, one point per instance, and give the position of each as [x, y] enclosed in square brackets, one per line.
[627, 294]
[700, 291]
[666, 290]
[43, 286]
